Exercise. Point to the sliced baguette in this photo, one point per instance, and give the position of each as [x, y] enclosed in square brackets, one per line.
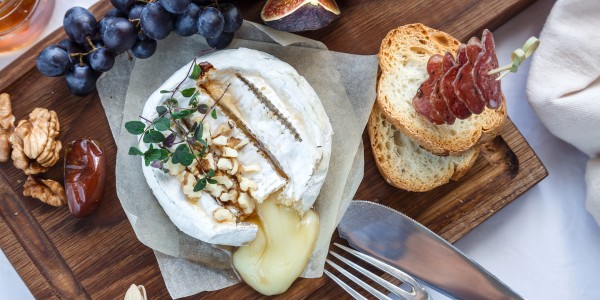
[404, 164]
[403, 59]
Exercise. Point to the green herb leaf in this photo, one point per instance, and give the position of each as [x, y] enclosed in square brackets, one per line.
[203, 142]
[152, 155]
[203, 108]
[181, 114]
[196, 72]
[182, 155]
[202, 152]
[199, 130]
[161, 110]
[200, 185]
[188, 92]
[162, 124]
[211, 181]
[135, 127]
[153, 136]
[164, 154]
[135, 151]
[165, 91]
[211, 173]
[213, 114]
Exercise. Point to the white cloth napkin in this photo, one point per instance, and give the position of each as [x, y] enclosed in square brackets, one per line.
[564, 84]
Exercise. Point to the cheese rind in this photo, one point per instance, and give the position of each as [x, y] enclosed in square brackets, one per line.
[297, 100]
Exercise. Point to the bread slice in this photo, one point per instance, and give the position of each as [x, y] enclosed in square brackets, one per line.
[403, 59]
[404, 164]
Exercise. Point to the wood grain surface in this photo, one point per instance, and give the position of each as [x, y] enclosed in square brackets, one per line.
[60, 257]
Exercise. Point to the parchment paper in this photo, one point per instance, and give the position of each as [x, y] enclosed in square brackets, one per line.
[346, 86]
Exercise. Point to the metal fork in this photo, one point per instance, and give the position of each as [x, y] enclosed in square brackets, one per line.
[417, 291]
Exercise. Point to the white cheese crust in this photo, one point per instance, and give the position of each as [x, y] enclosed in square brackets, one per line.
[304, 162]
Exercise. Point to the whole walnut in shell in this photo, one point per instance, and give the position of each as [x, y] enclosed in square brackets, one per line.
[45, 190]
[7, 126]
[35, 148]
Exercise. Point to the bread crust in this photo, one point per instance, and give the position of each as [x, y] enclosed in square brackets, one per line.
[412, 168]
[407, 49]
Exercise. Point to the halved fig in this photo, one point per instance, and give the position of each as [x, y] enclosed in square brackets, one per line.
[299, 15]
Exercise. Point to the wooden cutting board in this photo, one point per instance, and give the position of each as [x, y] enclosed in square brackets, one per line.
[60, 257]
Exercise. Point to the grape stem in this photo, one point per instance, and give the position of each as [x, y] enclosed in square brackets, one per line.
[89, 40]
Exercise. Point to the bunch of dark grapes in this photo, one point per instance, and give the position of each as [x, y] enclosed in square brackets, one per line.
[132, 26]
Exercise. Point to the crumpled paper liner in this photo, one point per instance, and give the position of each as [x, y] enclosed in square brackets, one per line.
[346, 86]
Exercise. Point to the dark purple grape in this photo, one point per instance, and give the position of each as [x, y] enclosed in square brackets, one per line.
[156, 22]
[221, 41]
[144, 47]
[102, 25]
[119, 35]
[210, 22]
[101, 60]
[113, 12]
[81, 80]
[175, 6]
[71, 47]
[79, 23]
[186, 24]
[233, 17]
[53, 61]
[136, 12]
[203, 2]
[123, 5]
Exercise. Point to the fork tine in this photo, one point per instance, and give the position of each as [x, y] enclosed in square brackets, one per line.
[346, 287]
[388, 269]
[361, 283]
[386, 284]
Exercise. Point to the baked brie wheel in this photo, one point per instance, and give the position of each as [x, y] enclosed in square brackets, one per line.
[271, 139]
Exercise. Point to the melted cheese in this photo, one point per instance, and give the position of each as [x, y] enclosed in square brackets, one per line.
[282, 247]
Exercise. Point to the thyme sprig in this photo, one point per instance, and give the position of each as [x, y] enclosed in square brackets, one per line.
[184, 143]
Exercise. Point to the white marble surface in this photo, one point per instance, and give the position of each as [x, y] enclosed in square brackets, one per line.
[544, 245]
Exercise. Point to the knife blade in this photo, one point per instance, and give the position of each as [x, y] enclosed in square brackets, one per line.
[393, 237]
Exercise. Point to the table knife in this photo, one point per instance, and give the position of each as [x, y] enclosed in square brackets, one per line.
[393, 237]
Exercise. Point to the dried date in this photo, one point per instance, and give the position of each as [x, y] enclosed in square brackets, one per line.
[84, 176]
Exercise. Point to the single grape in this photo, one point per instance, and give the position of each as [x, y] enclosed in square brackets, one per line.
[101, 60]
[136, 12]
[103, 23]
[53, 61]
[233, 17]
[113, 12]
[79, 23]
[221, 41]
[144, 47]
[119, 35]
[186, 24]
[175, 6]
[81, 80]
[123, 5]
[210, 22]
[156, 22]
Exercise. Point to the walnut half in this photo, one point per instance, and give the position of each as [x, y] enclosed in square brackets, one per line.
[45, 190]
[7, 126]
[35, 148]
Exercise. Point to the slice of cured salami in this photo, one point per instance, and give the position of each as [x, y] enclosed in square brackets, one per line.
[437, 99]
[464, 83]
[421, 101]
[487, 85]
[456, 106]
[461, 88]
